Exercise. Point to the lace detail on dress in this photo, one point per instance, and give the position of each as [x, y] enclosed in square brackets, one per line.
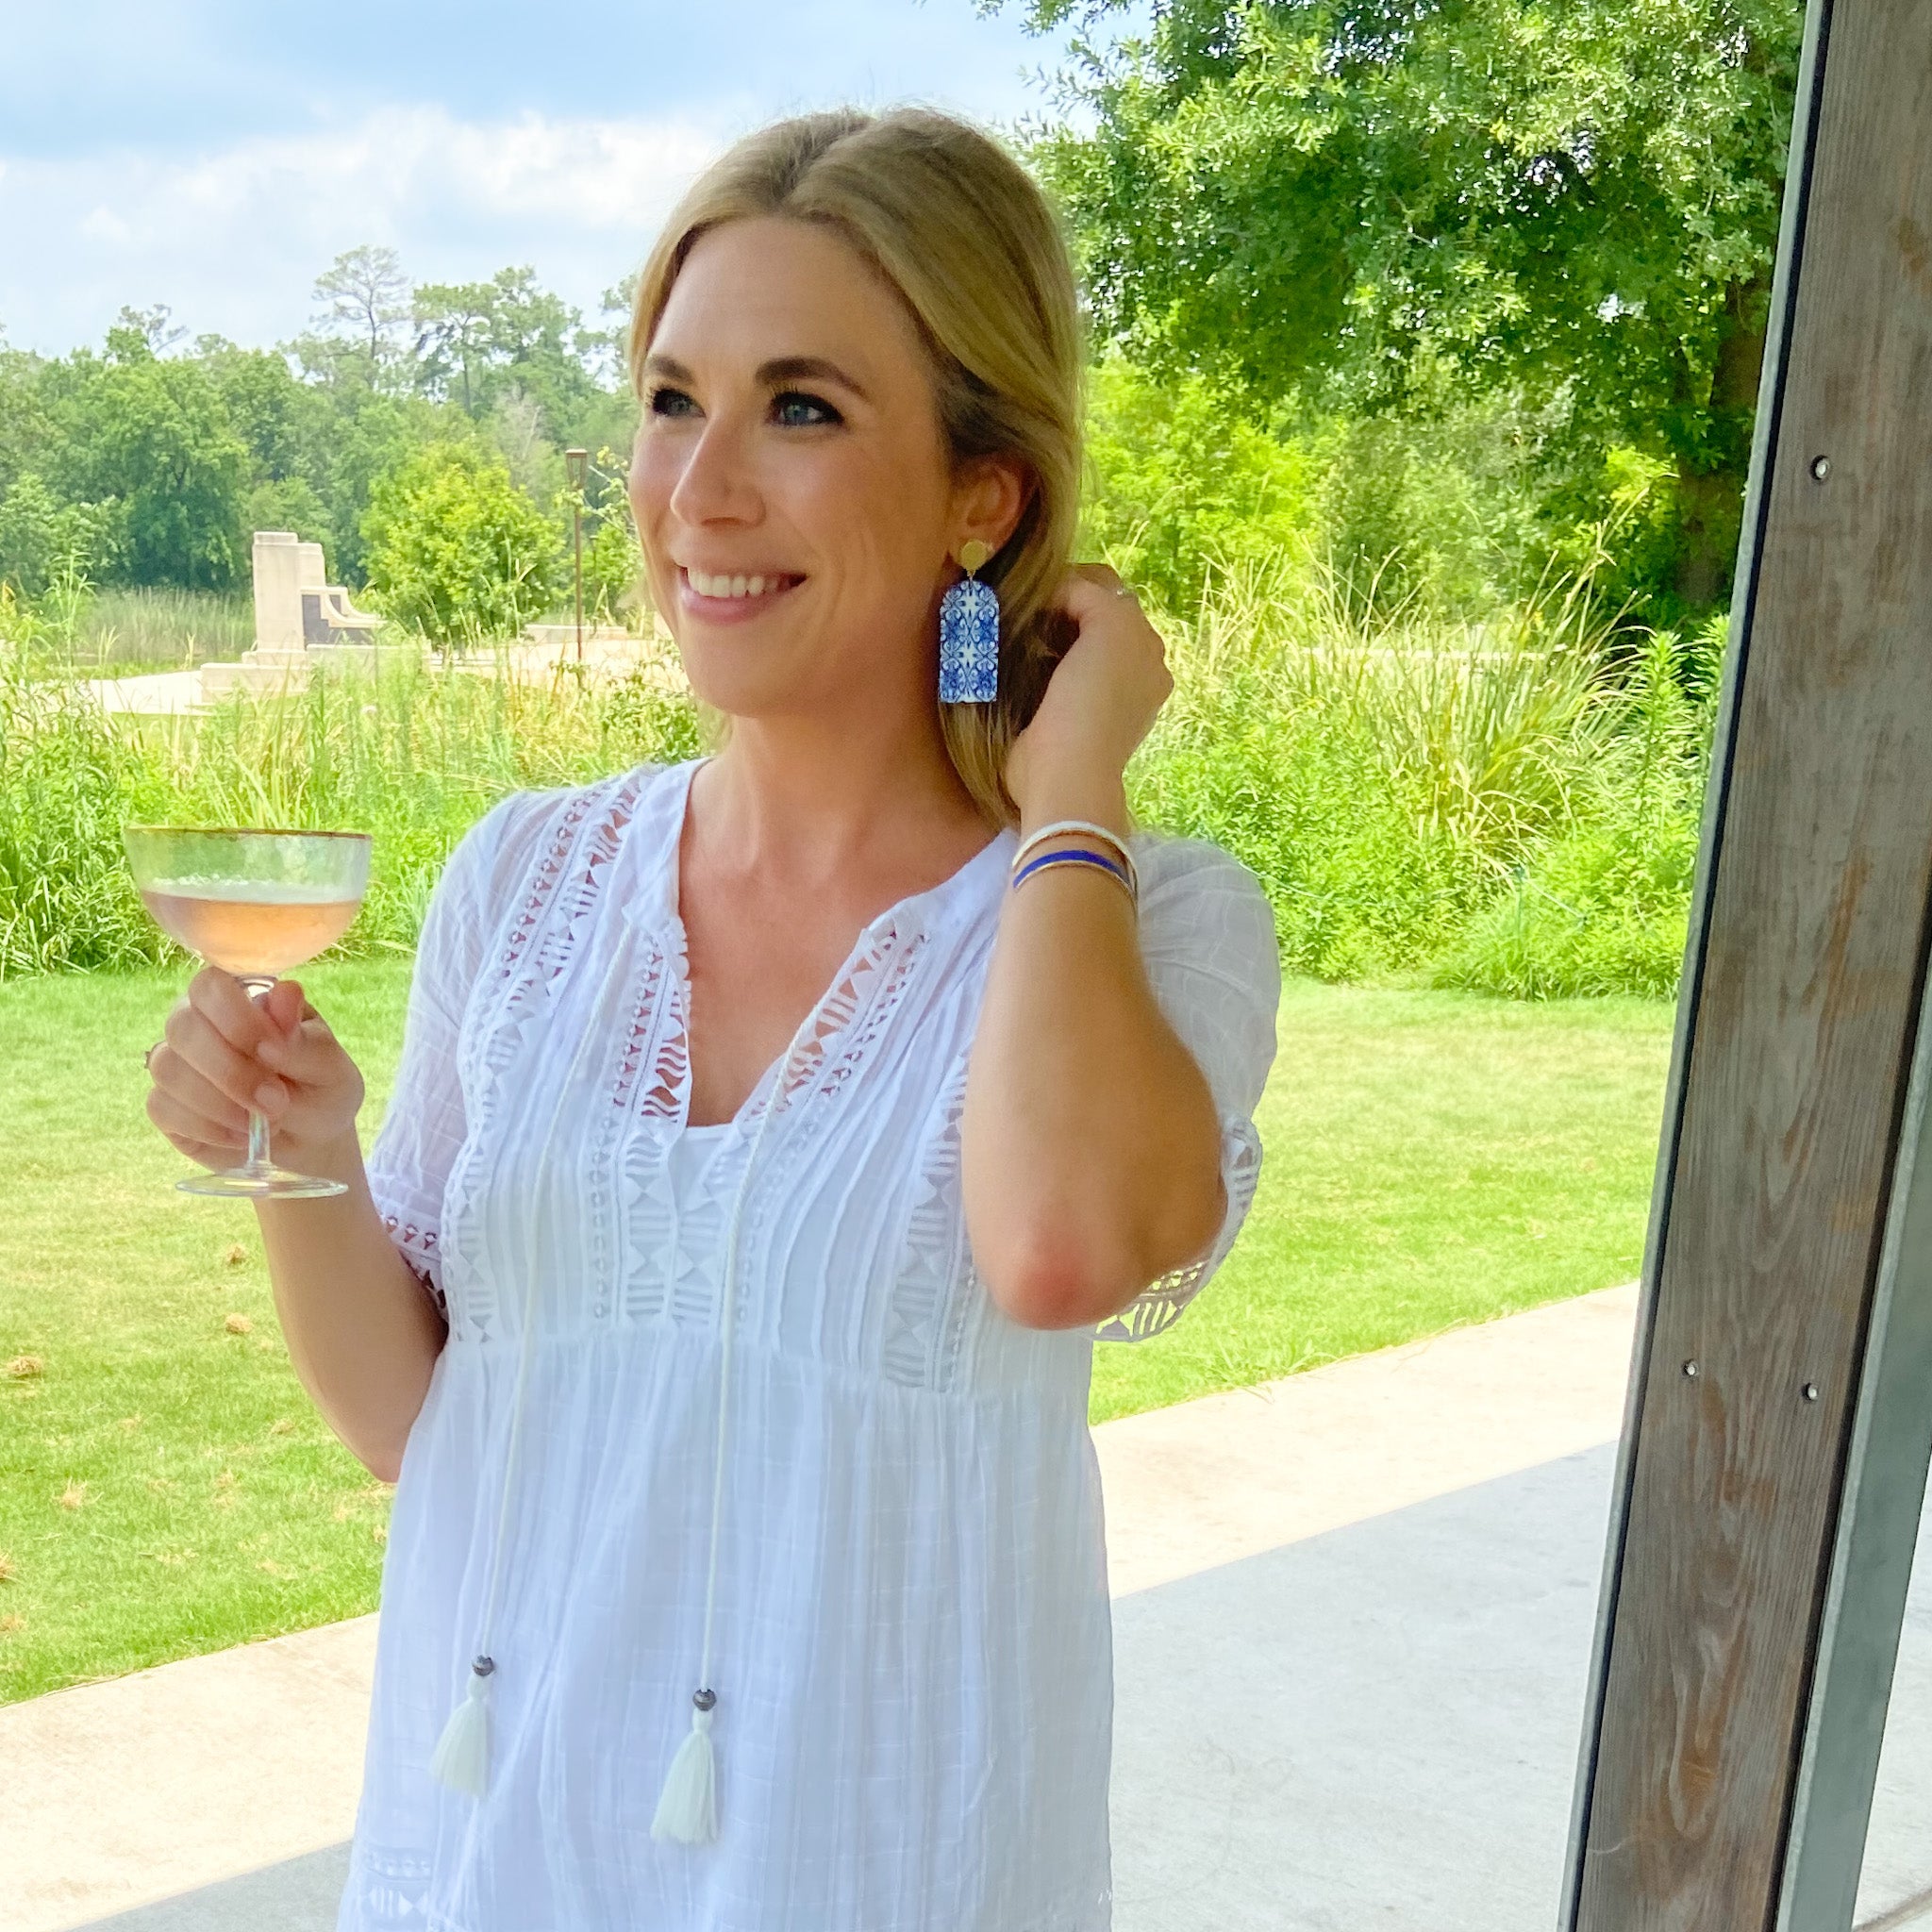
[418, 1248]
[850, 1020]
[1159, 1305]
[654, 1045]
[555, 903]
[854, 1013]
[934, 1260]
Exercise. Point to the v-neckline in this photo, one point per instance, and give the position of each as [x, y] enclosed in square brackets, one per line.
[671, 909]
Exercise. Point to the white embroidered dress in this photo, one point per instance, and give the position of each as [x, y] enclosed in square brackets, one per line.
[912, 1655]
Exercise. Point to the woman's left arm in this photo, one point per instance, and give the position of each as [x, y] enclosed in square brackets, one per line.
[1091, 1147]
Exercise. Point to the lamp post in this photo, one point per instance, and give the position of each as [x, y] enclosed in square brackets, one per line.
[576, 466]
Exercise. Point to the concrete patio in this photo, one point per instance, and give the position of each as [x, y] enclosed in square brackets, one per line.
[1353, 1614]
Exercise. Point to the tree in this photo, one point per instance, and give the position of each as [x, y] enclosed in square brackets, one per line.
[481, 341]
[154, 435]
[1384, 204]
[456, 549]
[454, 336]
[365, 292]
[41, 536]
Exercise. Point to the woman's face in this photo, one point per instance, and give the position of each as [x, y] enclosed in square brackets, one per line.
[790, 477]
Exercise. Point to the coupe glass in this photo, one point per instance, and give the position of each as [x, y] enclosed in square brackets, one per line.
[254, 903]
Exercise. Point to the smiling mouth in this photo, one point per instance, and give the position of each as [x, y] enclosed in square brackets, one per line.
[737, 588]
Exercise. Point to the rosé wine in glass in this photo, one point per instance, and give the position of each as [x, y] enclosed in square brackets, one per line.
[254, 903]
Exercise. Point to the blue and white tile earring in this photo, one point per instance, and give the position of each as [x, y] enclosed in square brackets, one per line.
[970, 634]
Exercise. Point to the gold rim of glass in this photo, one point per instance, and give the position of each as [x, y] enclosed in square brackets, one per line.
[250, 831]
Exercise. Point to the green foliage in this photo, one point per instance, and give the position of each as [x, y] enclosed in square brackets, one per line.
[155, 438]
[1183, 485]
[614, 588]
[1374, 209]
[42, 535]
[171, 454]
[456, 549]
[1602, 906]
[1379, 778]
[411, 754]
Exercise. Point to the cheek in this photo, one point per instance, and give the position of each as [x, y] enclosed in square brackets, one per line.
[653, 474]
[881, 519]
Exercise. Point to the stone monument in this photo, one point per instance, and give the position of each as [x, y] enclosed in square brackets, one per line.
[299, 617]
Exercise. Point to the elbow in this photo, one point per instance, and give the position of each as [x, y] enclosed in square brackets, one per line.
[1048, 1277]
[1056, 1274]
[384, 1467]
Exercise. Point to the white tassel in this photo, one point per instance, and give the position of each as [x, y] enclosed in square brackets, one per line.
[686, 1806]
[462, 1758]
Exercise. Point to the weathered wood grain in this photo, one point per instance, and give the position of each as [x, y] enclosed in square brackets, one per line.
[1794, 1065]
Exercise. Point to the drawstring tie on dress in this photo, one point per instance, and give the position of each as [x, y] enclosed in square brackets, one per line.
[686, 1806]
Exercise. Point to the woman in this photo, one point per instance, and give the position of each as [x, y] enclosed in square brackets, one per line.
[785, 1606]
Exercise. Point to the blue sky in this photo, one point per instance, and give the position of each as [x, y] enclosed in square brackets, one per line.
[215, 155]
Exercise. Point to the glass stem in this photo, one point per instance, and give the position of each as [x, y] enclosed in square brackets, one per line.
[258, 1162]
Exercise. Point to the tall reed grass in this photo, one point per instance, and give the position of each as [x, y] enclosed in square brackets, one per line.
[1384, 777]
[409, 753]
[1506, 806]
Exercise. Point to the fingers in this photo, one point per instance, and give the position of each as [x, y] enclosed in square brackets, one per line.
[211, 1142]
[194, 1092]
[224, 1002]
[310, 1055]
[283, 1003]
[200, 1046]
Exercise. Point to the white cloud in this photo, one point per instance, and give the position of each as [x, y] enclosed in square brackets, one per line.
[233, 238]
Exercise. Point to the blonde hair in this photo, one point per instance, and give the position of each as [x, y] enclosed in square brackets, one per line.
[960, 229]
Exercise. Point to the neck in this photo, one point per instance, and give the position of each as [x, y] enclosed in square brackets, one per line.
[815, 796]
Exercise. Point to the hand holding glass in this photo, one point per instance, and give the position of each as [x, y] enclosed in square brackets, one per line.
[255, 904]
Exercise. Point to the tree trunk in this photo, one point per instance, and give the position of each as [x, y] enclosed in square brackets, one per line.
[1711, 494]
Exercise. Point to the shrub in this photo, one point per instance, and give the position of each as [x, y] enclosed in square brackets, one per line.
[456, 549]
[1380, 779]
[1602, 906]
[1183, 486]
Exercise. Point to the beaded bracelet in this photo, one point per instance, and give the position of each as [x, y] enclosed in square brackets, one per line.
[1095, 861]
[1118, 845]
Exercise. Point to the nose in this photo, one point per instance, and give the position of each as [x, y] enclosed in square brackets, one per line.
[717, 484]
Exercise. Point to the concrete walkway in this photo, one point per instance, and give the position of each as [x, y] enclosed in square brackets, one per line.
[1352, 1617]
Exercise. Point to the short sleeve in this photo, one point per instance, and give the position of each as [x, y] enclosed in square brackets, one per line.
[1208, 940]
[409, 1160]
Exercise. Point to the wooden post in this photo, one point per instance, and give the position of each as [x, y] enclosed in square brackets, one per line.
[1778, 1429]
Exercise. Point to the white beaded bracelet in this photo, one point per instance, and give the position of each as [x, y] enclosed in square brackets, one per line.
[1059, 828]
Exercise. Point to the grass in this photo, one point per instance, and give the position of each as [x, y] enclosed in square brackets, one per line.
[166, 1487]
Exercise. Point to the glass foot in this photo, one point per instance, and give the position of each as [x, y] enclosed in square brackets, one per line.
[254, 1182]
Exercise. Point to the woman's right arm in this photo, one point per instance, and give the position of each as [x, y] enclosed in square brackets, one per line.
[363, 1332]
[357, 1276]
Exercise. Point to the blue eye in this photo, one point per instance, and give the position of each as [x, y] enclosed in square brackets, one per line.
[798, 410]
[666, 401]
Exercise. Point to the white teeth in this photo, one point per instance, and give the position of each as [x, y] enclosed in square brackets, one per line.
[722, 585]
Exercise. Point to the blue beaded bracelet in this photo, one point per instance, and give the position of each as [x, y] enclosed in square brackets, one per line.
[1075, 856]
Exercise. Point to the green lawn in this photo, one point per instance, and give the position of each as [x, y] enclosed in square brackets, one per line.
[165, 1488]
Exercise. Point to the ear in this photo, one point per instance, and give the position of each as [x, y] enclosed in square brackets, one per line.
[989, 496]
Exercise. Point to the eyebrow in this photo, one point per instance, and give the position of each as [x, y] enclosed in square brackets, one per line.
[781, 369]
